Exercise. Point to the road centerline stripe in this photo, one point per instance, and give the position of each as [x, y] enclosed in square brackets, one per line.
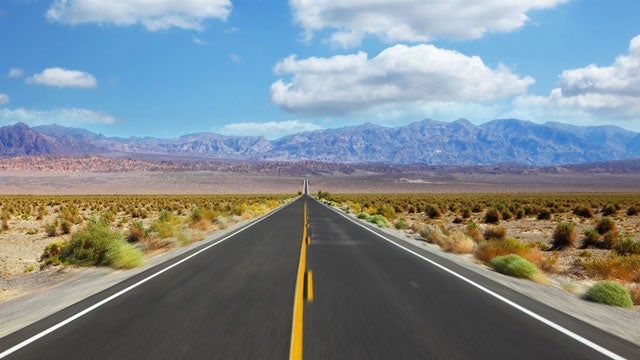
[610, 354]
[295, 352]
[51, 329]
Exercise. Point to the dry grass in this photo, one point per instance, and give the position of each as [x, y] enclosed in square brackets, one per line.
[459, 243]
[625, 268]
[490, 249]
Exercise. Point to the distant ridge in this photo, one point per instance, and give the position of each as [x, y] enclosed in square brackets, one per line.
[426, 142]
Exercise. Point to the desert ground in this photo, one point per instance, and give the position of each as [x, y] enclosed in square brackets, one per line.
[213, 182]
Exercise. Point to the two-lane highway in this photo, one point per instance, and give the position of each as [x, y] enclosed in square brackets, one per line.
[373, 298]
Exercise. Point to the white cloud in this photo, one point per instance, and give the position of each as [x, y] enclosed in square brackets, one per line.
[15, 72]
[153, 15]
[4, 99]
[68, 117]
[270, 130]
[398, 77]
[235, 58]
[610, 93]
[199, 41]
[63, 78]
[413, 20]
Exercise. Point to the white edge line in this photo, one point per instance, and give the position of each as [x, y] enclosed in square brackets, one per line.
[121, 292]
[526, 311]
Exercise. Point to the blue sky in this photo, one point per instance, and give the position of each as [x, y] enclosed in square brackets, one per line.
[258, 67]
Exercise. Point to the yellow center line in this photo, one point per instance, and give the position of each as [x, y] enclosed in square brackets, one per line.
[295, 352]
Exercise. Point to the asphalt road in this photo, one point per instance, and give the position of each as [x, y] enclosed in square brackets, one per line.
[372, 300]
[233, 301]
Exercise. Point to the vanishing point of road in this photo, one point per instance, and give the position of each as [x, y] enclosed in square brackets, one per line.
[307, 282]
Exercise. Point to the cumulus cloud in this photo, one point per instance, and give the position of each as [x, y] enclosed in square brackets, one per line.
[67, 117]
[413, 20]
[4, 99]
[59, 77]
[15, 72]
[608, 92]
[399, 76]
[270, 129]
[153, 15]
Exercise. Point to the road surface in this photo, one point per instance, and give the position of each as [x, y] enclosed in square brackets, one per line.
[371, 300]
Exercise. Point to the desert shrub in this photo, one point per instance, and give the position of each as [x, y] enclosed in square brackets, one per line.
[476, 208]
[609, 293]
[473, 230]
[487, 250]
[96, 244]
[53, 249]
[608, 240]
[364, 216]
[609, 210]
[634, 291]
[433, 234]
[544, 214]
[107, 217]
[65, 227]
[495, 233]
[387, 211]
[550, 264]
[605, 225]
[137, 232]
[626, 246]
[400, 225]
[222, 222]
[520, 214]
[564, 236]
[514, 265]
[583, 211]
[633, 210]
[458, 220]
[459, 243]
[196, 215]
[591, 238]
[506, 214]
[585, 254]
[625, 268]
[466, 213]
[434, 212]
[492, 216]
[51, 229]
[379, 220]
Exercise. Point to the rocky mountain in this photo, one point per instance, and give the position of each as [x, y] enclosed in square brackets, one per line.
[425, 142]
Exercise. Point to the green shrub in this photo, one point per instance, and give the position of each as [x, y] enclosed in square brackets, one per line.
[387, 211]
[495, 233]
[473, 230]
[65, 227]
[434, 212]
[609, 210]
[379, 220]
[492, 216]
[591, 238]
[583, 211]
[466, 213]
[514, 265]
[53, 249]
[364, 216]
[96, 244]
[137, 232]
[609, 239]
[564, 236]
[544, 214]
[401, 225]
[609, 293]
[51, 229]
[605, 225]
[520, 214]
[488, 250]
[626, 246]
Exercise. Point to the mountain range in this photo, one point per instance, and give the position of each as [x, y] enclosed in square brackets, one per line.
[426, 142]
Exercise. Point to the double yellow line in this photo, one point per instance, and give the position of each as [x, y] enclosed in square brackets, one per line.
[304, 282]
